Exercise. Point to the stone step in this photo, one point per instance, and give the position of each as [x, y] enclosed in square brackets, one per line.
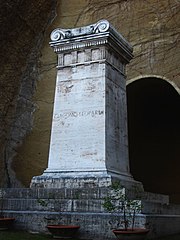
[35, 208]
[54, 205]
[77, 200]
[155, 197]
[158, 208]
[32, 193]
[92, 225]
[83, 193]
[81, 205]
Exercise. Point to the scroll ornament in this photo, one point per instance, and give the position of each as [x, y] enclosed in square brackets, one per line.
[60, 34]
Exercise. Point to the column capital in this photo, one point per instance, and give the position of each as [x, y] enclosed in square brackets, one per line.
[100, 33]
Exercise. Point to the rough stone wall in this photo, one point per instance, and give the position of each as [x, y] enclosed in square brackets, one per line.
[150, 26]
[23, 25]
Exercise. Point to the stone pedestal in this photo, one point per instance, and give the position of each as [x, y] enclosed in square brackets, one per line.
[89, 141]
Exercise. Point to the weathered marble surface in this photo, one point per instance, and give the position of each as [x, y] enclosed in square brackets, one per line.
[89, 126]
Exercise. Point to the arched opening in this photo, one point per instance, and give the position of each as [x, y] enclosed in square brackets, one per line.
[154, 135]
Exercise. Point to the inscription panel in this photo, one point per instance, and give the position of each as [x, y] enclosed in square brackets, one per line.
[78, 127]
[91, 113]
[80, 137]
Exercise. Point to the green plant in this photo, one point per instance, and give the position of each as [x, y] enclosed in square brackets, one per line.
[118, 201]
[42, 202]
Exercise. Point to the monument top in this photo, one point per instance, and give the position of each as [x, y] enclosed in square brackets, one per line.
[99, 33]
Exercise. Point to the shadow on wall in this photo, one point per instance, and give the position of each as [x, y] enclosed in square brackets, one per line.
[154, 135]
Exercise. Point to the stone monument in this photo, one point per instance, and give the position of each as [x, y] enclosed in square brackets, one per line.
[89, 140]
[89, 143]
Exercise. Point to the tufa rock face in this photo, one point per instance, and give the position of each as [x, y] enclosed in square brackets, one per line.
[22, 33]
[28, 66]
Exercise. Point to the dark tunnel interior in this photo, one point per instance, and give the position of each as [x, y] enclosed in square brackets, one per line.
[154, 135]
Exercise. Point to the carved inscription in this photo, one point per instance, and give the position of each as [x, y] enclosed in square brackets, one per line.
[91, 113]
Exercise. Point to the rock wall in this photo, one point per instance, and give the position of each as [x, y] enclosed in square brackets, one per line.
[22, 33]
[28, 66]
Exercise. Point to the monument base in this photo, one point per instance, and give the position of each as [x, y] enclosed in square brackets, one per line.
[96, 179]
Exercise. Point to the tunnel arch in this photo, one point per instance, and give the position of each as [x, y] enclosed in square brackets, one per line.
[153, 105]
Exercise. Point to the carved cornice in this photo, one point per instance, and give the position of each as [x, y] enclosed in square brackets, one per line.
[100, 33]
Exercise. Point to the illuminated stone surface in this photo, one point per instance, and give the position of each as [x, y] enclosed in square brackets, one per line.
[89, 127]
